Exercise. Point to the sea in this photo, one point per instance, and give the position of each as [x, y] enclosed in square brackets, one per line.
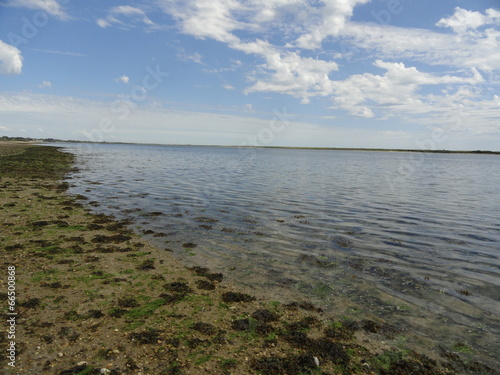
[409, 238]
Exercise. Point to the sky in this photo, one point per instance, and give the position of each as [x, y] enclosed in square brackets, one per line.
[309, 73]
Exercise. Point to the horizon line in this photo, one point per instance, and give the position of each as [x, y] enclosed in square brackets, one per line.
[55, 140]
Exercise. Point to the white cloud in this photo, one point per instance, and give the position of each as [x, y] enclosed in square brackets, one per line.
[194, 57]
[307, 24]
[228, 87]
[103, 23]
[11, 61]
[479, 50]
[219, 19]
[305, 27]
[284, 71]
[52, 7]
[464, 20]
[398, 73]
[287, 72]
[396, 92]
[290, 73]
[206, 18]
[127, 10]
[45, 84]
[123, 79]
[126, 17]
[328, 20]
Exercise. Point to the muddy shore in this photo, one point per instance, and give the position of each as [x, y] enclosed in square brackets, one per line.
[93, 297]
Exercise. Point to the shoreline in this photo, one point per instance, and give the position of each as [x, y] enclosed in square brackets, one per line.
[366, 149]
[94, 295]
[476, 152]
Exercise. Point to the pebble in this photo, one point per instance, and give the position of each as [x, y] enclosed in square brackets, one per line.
[82, 363]
[60, 355]
[105, 371]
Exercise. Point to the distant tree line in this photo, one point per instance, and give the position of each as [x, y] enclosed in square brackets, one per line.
[28, 139]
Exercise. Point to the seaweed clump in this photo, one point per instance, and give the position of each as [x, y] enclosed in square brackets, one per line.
[151, 336]
[292, 365]
[237, 297]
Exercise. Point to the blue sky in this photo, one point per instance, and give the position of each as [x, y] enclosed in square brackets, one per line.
[324, 73]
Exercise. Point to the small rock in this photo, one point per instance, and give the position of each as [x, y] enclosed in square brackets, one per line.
[105, 371]
[60, 355]
[316, 360]
[81, 363]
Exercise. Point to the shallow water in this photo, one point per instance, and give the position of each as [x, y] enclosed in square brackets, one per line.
[404, 236]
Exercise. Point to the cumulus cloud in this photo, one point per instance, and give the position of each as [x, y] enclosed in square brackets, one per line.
[125, 16]
[123, 79]
[206, 18]
[463, 20]
[219, 19]
[11, 61]
[331, 19]
[51, 7]
[290, 73]
[298, 64]
[307, 25]
[284, 71]
[397, 91]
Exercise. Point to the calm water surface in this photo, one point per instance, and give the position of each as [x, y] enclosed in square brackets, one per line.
[403, 236]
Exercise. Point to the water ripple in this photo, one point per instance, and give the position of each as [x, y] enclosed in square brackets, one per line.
[429, 237]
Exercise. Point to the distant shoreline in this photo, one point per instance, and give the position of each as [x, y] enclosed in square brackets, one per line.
[50, 140]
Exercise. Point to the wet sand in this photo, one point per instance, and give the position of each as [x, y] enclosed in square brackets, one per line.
[92, 297]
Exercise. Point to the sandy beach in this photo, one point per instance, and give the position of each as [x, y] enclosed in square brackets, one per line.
[90, 296]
